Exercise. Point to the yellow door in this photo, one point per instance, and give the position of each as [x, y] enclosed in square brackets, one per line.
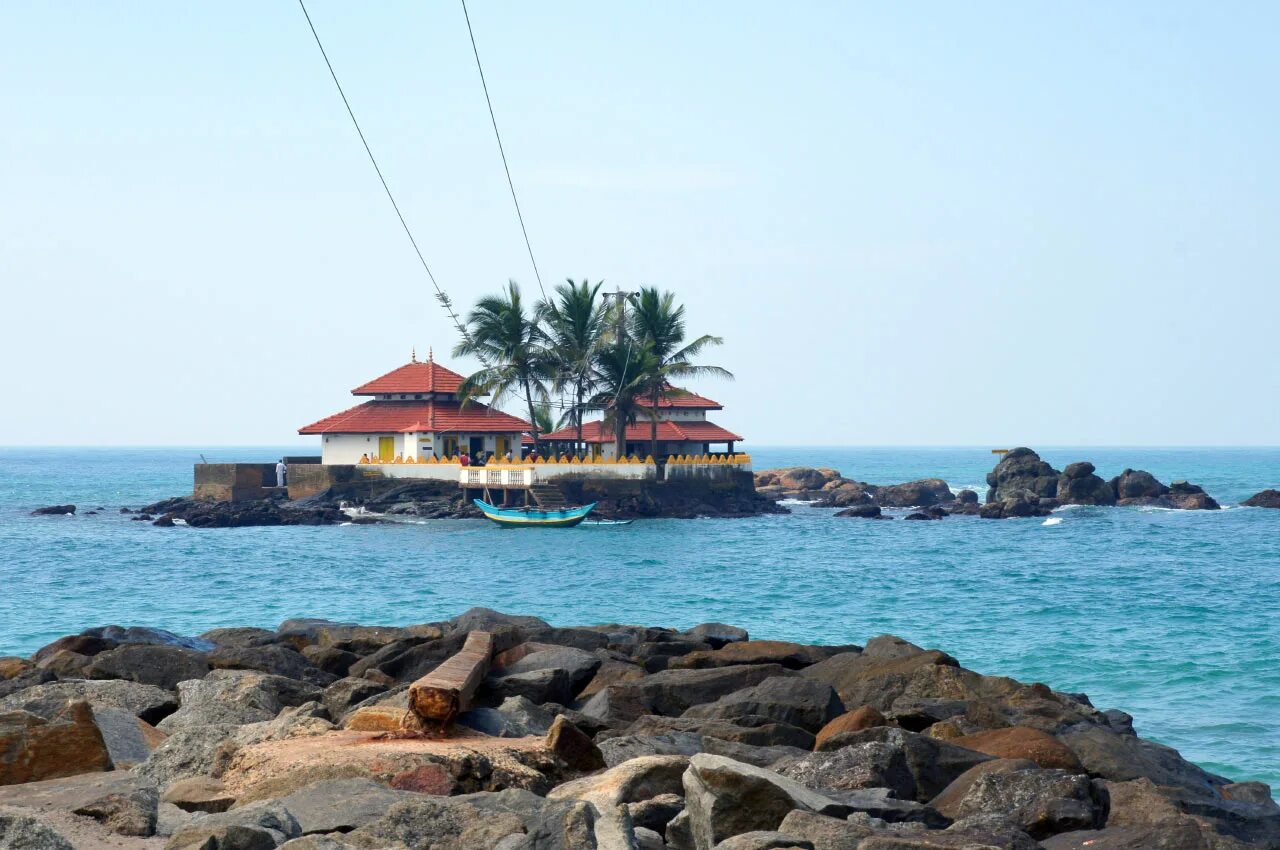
[386, 449]
[450, 447]
[503, 446]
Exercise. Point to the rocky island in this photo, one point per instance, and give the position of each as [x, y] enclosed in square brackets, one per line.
[603, 736]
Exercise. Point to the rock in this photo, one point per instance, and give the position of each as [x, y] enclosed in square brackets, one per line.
[344, 694]
[826, 833]
[273, 659]
[132, 813]
[517, 717]
[719, 634]
[54, 510]
[748, 729]
[1263, 499]
[33, 748]
[374, 718]
[656, 811]
[538, 686]
[1157, 813]
[236, 697]
[764, 840]
[879, 674]
[340, 805]
[1190, 497]
[572, 746]
[12, 666]
[612, 672]
[330, 659]
[130, 740]
[148, 702]
[920, 515]
[869, 511]
[1080, 486]
[1021, 742]
[1121, 757]
[947, 802]
[150, 664]
[579, 666]
[672, 692]
[656, 656]
[1137, 484]
[20, 831]
[148, 636]
[648, 839]
[863, 717]
[188, 752]
[506, 820]
[239, 636]
[199, 794]
[914, 766]
[793, 656]
[724, 798]
[803, 703]
[82, 645]
[1021, 470]
[1041, 802]
[258, 826]
[624, 748]
[914, 494]
[1019, 504]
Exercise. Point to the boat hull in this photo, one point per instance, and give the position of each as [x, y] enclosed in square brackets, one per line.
[514, 518]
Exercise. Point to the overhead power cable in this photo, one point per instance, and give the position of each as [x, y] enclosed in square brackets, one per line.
[501, 151]
[441, 296]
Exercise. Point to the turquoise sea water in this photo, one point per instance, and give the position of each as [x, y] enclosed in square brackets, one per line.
[1171, 616]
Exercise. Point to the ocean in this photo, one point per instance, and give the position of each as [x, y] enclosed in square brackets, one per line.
[1171, 616]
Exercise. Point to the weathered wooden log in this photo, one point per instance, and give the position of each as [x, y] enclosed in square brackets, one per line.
[449, 689]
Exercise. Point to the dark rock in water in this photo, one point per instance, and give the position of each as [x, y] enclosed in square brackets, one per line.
[967, 497]
[54, 510]
[1137, 484]
[1080, 486]
[146, 635]
[1018, 504]
[201, 514]
[1265, 499]
[1021, 470]
[914, 494]
[1139, 488]
[868, 511]
[932, 513]
[717, 634]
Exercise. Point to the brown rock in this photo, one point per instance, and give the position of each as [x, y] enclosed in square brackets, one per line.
[611, 672]
[790, 655]
[375, 718]
[572, 746]
[863, 717]
[199, 794]
[12, 665]
[948, 802]
[1022, 742]
[32, 748]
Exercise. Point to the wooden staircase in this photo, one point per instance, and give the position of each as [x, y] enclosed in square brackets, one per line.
[548, 497]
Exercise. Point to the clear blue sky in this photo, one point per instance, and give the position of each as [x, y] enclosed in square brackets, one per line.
[936, 223]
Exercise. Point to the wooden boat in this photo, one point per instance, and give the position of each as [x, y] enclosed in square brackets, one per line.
[524, 517]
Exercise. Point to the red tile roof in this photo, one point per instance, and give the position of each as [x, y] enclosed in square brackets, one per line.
[415, 377]
[698, 431]
[441, 417]
[688, 399]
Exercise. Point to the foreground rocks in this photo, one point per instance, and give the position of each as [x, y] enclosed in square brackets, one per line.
[606, 736]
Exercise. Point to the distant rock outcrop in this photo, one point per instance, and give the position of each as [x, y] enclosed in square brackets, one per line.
[1020, 472]
[1080, 486]
[1266, 499]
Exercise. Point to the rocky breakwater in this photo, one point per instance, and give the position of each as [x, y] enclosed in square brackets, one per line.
[1024, 485]
[827, 488]
[606, 736]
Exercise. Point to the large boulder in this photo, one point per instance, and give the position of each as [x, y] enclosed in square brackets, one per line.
[1121, 757]
[1041, 802]
[914, 494]
[947, 802]
[1137, 484]
[21, 831]
[716, 634]
[127, 813]
[34, 748]
[914, 766]
[724, 798]
[236, 697]
[193, 751]
[148, 702]
[790, 655]
[151, 664]
[672, 692]
[273, 659]
[804, 703]
[149, 636]
[1022, 742]
[1263, 499]
[1080, 486]
[259, 826]
[578, 665]
[1021, 470]
[862, 717]
[752, 730]
[878, 674]
[340, 805]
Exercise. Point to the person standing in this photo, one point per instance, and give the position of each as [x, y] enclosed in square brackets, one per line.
[464, 459]
[281, 471]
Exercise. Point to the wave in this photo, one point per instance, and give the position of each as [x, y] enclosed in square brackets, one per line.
[1053, 520]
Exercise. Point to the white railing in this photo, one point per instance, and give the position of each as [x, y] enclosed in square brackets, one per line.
[497, 476]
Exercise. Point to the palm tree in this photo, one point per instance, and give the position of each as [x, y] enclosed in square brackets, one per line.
[575, 325]
[512, 348]
[657, 324]
[620, 370]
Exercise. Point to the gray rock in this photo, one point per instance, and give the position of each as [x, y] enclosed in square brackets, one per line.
[272, 658]
[880, 803]
[340, 805]
[147, 636]
[764, 840]
[345, 694]
[257, 826]
[672, 692]
[1080, 486]
[151, 664]
[170, 819]
[148, 702]
[239, 636]
[538, 686]
[330, 659]
[187, 752]
[626, 747]
[805, 703]
[1121, 757]
[132, 813]
[914, 494]
[725, 798]
[123, 734]
[20, 831]
[679, 832]
[517, 717]
[753, 730]
[579, 666]
[656, 812]
[1019, 471]
[236, 697]
[648, 839]
[1041, 802]
[315, 842]
[716, 634]
[200, 794]
[826, 832]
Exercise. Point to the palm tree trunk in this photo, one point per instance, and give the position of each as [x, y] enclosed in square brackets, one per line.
[619, 433]
[533, 417]
[653, 426]
[577, 415]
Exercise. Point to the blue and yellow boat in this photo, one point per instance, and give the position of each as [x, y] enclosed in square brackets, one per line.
[526, 517]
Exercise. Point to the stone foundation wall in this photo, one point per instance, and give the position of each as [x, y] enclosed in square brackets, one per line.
[232, 482]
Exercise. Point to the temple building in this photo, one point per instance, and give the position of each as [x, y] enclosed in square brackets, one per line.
[414, 412]
[683, 429]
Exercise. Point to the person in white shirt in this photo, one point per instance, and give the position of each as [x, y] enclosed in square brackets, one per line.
[281, 469]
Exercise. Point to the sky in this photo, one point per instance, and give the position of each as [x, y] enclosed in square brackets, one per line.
[912, 224]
